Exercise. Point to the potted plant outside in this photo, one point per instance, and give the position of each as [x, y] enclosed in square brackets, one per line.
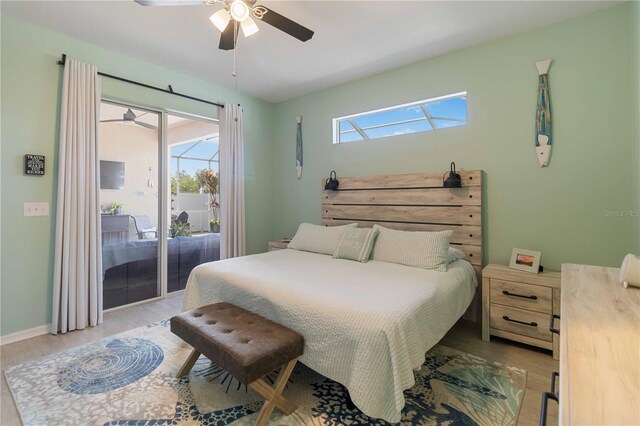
[179, 229]
[210, 184]
[116, 208]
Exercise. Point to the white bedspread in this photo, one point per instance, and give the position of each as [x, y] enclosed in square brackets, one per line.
[365, 325]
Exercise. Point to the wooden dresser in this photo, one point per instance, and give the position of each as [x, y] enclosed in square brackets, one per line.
[599, 349]
[518, 305]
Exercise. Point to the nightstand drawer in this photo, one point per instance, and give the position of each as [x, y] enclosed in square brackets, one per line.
[520, 321]
[525, 296]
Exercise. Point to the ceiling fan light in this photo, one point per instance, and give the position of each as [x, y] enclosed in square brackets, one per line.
[239, 10]
[249, 27]
[220, 19]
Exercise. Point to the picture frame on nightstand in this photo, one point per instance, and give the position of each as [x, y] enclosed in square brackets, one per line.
[525, 260]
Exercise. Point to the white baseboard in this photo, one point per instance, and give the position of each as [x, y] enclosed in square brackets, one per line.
[25, 334]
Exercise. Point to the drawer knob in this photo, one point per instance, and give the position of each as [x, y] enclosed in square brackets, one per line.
[508, 293]
[530, 324]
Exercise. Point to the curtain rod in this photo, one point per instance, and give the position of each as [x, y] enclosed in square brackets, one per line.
[170, 91]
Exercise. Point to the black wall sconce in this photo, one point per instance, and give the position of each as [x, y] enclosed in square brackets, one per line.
[453, 180]
[332, 182]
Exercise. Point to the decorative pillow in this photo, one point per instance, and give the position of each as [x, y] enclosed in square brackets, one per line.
[426, 250]
[356, 244]
[455, 254]
[318, 238]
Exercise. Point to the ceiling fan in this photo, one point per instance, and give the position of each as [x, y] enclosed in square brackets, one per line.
[237, 13]
[130, 117]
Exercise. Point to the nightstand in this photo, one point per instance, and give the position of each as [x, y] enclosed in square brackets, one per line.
[518, 306]
[278, 245]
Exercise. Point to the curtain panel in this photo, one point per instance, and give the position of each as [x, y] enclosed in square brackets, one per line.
[232, 225]
[77, 279]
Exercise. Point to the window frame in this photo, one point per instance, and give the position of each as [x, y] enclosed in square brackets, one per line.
[336, 121]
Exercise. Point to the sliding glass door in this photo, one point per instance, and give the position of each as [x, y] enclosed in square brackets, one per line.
[159, 191]
[194, 188]
[129, 140]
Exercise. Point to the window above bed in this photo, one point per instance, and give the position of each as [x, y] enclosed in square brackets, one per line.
[420, 116]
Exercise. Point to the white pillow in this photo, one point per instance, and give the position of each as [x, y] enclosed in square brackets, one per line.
[356, 244]
[455, 254]
[426, 250]
[318, 238]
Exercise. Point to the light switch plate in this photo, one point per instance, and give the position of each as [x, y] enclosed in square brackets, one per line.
[35, 209]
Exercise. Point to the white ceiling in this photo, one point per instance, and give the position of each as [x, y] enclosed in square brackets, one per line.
[352, 39]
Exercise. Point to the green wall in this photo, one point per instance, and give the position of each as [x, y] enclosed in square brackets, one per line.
[559, 210]
[30, 106]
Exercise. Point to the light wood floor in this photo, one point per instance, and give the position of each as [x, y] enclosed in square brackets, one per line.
[464, 336]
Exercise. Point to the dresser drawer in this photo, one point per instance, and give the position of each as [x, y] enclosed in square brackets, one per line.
[520, 321]
[526, 296]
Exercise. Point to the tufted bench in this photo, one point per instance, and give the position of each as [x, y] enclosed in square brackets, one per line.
[245, 344]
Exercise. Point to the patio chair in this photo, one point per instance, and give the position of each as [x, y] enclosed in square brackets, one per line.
[143, 226]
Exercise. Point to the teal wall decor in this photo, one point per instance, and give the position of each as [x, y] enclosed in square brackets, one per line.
[299, 146]
[543, 114]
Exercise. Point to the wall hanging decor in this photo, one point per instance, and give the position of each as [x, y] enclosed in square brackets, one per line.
[150, 179]
[34, 165]
[543, 114]
[299, 146]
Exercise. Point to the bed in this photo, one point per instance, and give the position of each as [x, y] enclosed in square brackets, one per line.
[366, 325]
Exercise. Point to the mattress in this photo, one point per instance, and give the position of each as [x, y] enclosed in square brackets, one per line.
[366, 325]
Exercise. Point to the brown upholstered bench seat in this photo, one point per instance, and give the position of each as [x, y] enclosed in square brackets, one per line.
[245, 344]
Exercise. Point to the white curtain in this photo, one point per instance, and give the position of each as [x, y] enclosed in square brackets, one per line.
[232, 233]
[77, 279]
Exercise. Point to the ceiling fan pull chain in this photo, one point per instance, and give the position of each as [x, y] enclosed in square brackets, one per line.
[235, 51]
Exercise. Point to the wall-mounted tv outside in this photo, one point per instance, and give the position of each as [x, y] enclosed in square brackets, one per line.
[111, 174]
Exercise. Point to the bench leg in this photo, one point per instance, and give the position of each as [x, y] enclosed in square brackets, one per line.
[276, 392]
[188, 364]
[263, 389]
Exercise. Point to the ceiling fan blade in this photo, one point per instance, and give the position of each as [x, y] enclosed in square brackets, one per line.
[229, 36]
[148, 126]
[169, 2]
[115, 120]
[285, 24]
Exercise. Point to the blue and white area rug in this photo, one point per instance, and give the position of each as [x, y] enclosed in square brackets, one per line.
[129, 379]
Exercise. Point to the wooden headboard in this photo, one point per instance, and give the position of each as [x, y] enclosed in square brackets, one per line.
[414, 202]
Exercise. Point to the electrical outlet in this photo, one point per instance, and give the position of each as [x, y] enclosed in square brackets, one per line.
[35, 209]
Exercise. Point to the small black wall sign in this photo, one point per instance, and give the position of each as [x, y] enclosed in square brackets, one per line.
[34, 165]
